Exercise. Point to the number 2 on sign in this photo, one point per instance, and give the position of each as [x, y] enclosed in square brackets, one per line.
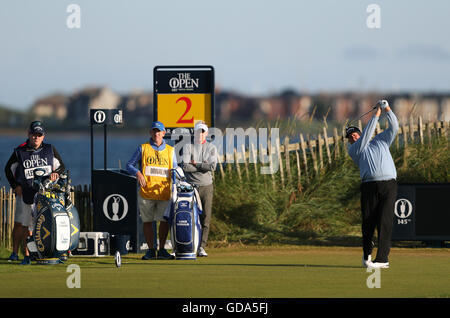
[182, 120]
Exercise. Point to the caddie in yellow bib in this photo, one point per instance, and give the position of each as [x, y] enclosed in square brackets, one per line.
[156, 167]
[156, 159]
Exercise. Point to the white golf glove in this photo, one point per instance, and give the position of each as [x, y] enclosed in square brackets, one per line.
[382, 104]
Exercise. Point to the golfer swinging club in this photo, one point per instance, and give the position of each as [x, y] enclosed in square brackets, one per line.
[378, 187]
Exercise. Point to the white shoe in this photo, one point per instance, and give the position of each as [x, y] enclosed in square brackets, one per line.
[201, 252]
[366, 262]
[379, 265]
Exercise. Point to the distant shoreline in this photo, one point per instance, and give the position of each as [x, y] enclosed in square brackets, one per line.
[87, 132]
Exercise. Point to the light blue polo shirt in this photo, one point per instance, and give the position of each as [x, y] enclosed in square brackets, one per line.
[372, 156]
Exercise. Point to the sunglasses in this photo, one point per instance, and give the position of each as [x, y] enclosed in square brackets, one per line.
[37, 135]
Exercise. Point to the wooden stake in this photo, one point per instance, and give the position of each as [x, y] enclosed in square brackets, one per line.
[238, 169]
[287, 159]
[411, 128]
[313, 156]
[245, 162]
[305, 160]
[319, 144]
[420, 130]
[336, 143]
[299, 172]
[327, 145]
[280, 162]
[255, 161]
[262, 153]
[1, 216]
[271, 166]
[428, 126]
[344, 141]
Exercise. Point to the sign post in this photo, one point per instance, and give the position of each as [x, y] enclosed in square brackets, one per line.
[103, 117]
[114, 193]
[182, 96]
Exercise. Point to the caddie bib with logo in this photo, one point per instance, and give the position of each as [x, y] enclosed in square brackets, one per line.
[29, 160]
[156, 167]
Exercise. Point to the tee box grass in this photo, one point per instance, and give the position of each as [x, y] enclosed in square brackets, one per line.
[244, 272]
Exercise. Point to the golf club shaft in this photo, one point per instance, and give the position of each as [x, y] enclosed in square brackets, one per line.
[375, 107]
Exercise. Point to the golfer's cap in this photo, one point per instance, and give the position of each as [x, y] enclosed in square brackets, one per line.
[199, 126]
[36, 127]
[158, 125]
[350, 130]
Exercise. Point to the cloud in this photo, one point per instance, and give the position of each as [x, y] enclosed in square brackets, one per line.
[362, 52]
[424, 52]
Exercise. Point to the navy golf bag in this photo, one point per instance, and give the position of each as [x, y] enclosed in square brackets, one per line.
[57, 224]
[183, 216]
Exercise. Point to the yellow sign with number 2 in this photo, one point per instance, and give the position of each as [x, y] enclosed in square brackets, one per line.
[184, 110]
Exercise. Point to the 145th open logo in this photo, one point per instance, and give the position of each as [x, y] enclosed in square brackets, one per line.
[115, 207]
[403, 210]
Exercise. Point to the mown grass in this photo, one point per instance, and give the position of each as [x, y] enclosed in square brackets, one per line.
[237, 272]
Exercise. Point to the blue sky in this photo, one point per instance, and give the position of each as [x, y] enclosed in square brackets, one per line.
[256, 47]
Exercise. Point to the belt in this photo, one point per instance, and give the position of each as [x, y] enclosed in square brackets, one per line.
[388, 180]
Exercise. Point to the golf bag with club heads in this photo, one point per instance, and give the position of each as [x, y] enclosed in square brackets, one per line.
[56, 221]
[183, 216]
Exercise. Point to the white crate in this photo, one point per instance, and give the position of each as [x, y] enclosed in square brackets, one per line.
[92, 244]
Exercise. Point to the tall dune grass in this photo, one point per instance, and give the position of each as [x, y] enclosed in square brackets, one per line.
[324, 210]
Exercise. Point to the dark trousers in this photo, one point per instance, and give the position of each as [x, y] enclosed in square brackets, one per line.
[377, 207]
[206, 196]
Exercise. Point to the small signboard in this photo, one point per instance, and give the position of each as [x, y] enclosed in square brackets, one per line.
[183, 95]
[106, 117]
[103, 117]
[421, 212]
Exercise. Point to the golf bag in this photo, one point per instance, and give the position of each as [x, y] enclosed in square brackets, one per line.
[57, 224]
[183, 216]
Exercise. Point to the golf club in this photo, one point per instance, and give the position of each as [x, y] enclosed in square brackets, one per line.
[348, 124]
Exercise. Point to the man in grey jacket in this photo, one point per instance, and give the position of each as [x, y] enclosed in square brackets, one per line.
[378, 183]
[199, 162]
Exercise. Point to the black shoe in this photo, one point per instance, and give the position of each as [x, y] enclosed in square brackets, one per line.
[163, 254]
[151, 254]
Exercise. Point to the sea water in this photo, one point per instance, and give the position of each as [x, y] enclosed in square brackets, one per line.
[75, 151]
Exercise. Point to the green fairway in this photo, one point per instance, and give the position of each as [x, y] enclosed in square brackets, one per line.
[247, 272]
